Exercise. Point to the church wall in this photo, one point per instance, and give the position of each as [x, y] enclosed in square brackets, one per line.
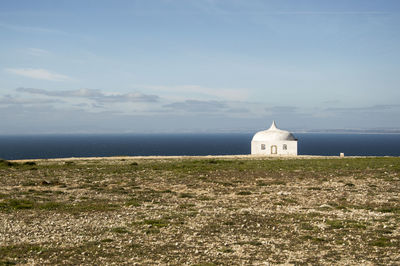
[291, 147]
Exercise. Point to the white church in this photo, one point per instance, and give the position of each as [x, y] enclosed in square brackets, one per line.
[274, 141]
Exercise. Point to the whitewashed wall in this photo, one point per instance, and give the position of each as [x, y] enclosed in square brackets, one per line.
[291, 147]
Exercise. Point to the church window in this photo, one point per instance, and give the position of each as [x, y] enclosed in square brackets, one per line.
[284, 147]
[263, 146]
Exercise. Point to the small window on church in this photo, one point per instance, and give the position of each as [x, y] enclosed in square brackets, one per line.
[263, 146]
[284, 147]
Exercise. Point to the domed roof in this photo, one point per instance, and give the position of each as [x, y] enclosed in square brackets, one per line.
[273, 134]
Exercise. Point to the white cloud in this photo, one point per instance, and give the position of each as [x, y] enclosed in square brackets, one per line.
[197, 91]
[37, 52]
[11, 100]
[38, 73]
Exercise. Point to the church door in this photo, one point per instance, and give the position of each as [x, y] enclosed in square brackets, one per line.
[274, 149]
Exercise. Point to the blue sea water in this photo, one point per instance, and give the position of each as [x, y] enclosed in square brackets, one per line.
[61, 146]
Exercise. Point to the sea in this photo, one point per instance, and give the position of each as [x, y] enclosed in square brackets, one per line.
[84, 145]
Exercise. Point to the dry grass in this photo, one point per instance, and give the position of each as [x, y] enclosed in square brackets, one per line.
[200, 211]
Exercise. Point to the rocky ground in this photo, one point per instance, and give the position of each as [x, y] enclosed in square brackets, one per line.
[200, 211]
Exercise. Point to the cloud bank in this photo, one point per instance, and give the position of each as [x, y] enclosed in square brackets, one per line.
[94, 94]
[96, 111]
[197, 106]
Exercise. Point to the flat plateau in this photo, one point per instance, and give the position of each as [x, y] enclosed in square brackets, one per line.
[201, 210]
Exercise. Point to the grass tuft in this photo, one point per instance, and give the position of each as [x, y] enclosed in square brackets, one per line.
[381, 242]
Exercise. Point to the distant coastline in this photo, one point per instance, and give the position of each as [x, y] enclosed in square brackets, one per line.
[221, 131]
[350, 131]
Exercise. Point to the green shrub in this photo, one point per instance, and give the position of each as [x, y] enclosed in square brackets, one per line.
[29, 163]
[243, 193]
[7, 163]
[157, 222]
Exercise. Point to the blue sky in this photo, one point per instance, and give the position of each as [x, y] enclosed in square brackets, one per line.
[198, 65]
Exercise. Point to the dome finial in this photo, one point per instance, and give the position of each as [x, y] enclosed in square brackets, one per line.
[273, 126]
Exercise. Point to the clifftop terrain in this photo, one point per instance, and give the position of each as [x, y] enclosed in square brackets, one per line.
[200, 210]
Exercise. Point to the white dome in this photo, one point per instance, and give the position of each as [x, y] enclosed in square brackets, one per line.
[273, 134]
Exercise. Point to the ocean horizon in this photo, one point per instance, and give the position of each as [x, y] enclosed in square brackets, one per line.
[190, 144]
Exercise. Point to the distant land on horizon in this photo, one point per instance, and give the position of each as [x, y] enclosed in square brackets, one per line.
[352, 131]
[221, 131]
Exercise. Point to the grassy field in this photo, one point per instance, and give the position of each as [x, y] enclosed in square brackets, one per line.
[201, 211]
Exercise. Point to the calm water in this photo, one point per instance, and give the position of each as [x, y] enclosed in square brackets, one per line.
[59, 146]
